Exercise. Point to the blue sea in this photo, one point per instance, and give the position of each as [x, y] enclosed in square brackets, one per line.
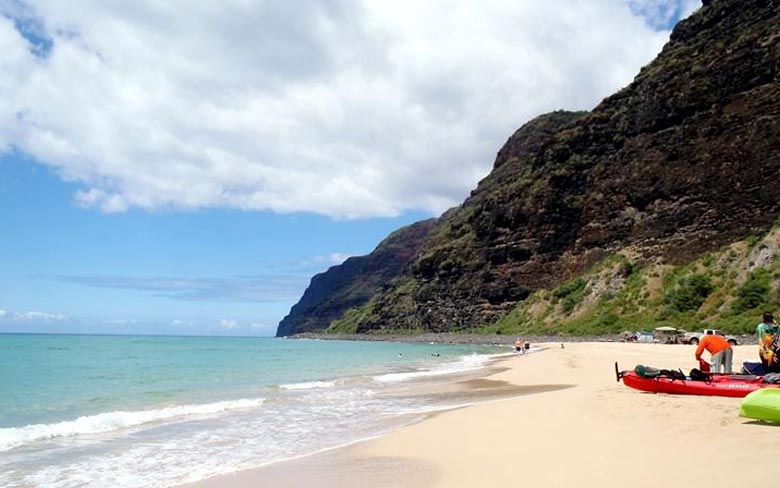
[132, 411]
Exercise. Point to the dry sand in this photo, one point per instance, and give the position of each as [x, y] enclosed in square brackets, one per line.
[572, 425]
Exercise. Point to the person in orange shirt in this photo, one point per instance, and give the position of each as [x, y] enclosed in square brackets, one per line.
[720, 350]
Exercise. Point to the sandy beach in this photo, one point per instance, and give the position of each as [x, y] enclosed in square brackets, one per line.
[566, 422]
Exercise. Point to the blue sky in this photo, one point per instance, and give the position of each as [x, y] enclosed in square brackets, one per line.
[186, 171]
[206, 271]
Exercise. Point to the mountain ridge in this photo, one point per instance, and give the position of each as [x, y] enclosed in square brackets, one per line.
[353, 282]
[678, 164]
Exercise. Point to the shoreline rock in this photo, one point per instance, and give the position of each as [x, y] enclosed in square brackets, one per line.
[454, 338]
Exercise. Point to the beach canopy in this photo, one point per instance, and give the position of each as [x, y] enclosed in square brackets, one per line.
[666, 328]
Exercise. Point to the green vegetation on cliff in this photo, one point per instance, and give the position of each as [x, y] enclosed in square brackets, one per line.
[655, 208]
[727, 289]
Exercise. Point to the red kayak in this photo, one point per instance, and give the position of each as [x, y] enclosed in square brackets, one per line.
[727, 385]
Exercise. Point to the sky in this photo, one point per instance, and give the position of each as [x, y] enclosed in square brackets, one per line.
[186, 167]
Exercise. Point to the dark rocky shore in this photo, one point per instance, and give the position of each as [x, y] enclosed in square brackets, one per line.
[453, 338]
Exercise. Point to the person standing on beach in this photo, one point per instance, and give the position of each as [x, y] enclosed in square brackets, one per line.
[720, 350]
[768, 336]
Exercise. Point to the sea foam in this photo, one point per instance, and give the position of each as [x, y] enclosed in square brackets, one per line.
[466, 363]
[111, 421]
[310, 385]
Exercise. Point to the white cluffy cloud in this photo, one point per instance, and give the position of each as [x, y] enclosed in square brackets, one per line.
[120, 322]
[660, 14]
[31, 316]
[228, 324]
[182, 323]
[347, 108]
[329, 260]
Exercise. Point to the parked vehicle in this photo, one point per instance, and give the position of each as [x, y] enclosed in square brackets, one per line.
[645, 337]
[669, 335]
[694, 337]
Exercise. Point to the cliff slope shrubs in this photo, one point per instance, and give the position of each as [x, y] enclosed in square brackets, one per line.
[654, 207]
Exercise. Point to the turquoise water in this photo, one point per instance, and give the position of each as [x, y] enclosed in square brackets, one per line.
[81, 410]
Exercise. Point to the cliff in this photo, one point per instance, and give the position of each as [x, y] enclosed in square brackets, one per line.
[355, 281]
[681, 163]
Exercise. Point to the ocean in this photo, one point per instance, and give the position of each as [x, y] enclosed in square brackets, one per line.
[133, 411]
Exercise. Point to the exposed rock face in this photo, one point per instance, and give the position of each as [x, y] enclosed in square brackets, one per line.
[684, 160]
[355, 281]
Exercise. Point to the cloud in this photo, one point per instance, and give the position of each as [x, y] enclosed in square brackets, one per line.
[278, 288]
[347, 108]
[228, 324]
[35, 315]
[663, 14]
[182, 323]
[121, 322]
[32, 316]
[336, 258]
[28, 26]
[318, 262]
